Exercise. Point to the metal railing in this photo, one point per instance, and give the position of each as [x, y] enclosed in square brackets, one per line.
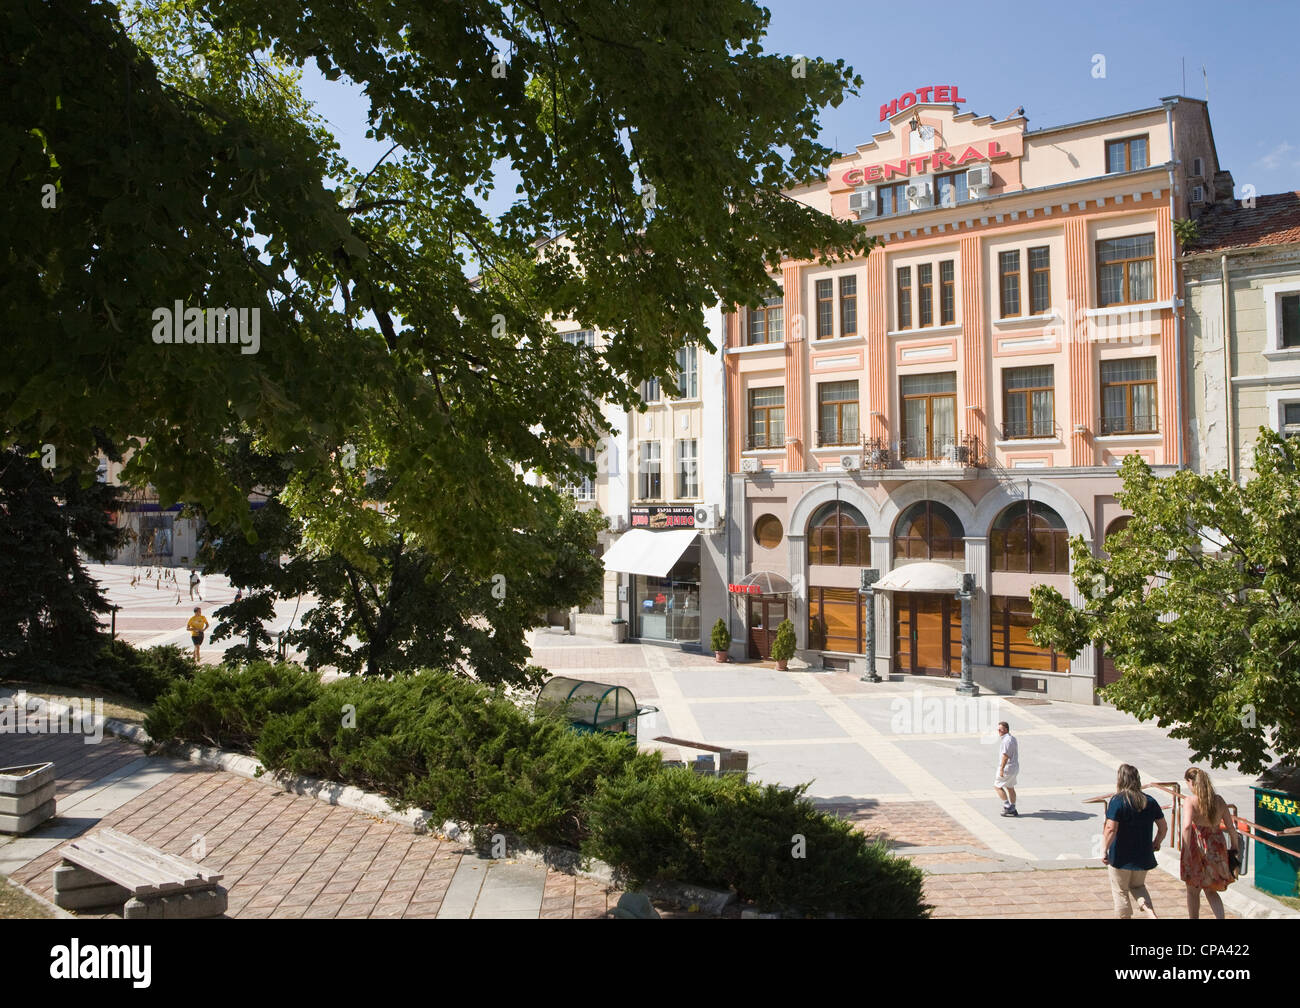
[1013, 429]
[963, 450]
[1139, 423]
[757, 441]
[839, 436]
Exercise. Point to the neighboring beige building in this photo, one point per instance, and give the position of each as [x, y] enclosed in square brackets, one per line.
[1253, 253]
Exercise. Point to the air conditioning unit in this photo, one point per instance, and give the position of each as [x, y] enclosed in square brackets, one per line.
[850, 463]
[751, 465]
[617, 523]
[863, 203]
[919, 196]
[957, 454]
[978, 180]
[706, 516]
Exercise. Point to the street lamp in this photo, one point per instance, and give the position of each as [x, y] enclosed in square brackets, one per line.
[870, 575]
[967, 685]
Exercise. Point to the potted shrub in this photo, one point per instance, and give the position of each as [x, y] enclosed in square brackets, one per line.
[720, 640]
[783, 644]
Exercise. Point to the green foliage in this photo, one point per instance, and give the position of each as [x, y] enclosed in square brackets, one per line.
[145, 675]
[1198, 605]
[784, 644]
[720, 636]
[723, 831]
[228, 707]
[1187, 232]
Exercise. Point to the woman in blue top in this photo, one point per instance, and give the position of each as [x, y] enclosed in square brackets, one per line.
[1130, 851]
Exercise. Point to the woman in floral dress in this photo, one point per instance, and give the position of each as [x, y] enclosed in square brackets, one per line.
[1204, 865]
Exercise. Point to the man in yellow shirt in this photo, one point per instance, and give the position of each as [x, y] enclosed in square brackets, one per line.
[197, 624]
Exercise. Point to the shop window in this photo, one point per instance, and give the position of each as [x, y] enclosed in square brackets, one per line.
[1011, 620]
[1028, 408]
[766, 418]
[1029, 538]
[768, 531]
[838, 536]
[767, 324]
[1128, 396]
[1129, 154]
[848, 306]
[825, 310]
[929, 415]
[1126, 270]
[835, 620]
[837, 413]
[929, 530]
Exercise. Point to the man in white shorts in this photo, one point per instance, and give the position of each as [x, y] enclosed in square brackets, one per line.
[1008, 769]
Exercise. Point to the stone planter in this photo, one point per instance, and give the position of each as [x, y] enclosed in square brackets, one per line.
[26, 796]
[720, 656]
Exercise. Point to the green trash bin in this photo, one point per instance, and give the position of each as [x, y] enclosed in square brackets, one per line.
[1277, 807]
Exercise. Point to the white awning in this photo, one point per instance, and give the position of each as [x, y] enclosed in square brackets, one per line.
[641, 551]
[923, 576]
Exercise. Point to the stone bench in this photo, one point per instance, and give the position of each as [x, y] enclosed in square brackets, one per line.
[111, 869]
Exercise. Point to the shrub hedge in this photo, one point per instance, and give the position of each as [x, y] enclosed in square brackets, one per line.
[463, 752]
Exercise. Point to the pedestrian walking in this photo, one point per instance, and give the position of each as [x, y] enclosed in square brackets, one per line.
[1130, 851]
[197, 624]
[194, 584]
[1008, 769]
[1206, 865]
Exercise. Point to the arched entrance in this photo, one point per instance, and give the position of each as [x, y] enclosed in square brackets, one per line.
[926, 615]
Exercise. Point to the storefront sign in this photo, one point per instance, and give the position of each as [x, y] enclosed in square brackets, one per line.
[944, 94]
[922, 164]
[744, 589]
[659, 516]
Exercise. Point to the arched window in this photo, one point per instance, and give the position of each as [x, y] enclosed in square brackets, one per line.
[929, 530]
[1029, 538]
[838, 536]
[1118, 525]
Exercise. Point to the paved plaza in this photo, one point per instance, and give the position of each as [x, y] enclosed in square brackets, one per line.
[907, 759]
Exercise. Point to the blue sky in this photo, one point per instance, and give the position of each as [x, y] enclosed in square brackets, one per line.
[1003, 55]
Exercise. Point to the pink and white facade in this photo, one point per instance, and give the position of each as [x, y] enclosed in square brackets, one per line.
[958, 401]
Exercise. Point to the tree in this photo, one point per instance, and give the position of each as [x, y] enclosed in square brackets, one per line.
[49, 604]
[1197, 602]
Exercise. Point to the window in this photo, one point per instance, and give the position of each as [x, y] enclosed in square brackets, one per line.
[929, 530]
[837, 413]
[929, 415]
[767, 324]
[650, 390]
[582, 337]
[688, 471]
[1128, 396]
[1288, 335]
[1027, 402]
[768, 531]
[891, 199]
[1116, 526]
[1040, 280]
[1012, 619]
[1129, 154]
[835, 620]
[947, 293]
[585, 488]
[848, 306]
[1126, 270]
[925, 293]
[688, 372]
[1029, 538]
[905, 297]
[838, 536]
[767, 418]
[825, 309]
[1009, 285]
[1290, 419]
[651, 484]
[950, 189]
[1198, 167]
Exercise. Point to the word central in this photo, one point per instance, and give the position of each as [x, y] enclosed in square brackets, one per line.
[924, 163]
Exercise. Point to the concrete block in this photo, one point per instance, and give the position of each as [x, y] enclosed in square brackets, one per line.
[105, 894]
[19, 780]
[16, 805]
[28, 821]
[178, 906]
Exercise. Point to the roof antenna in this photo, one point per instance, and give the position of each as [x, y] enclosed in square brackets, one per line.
[1184, 90]
[1206, 78]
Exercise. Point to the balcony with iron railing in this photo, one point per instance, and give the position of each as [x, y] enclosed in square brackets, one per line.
[1134, 423]
[942, 451]
[838, 436]
[1015, 430]
[759, 442]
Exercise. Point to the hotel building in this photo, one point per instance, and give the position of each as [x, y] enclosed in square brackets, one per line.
[957, 402]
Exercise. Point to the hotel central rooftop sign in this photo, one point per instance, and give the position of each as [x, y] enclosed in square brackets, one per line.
[944, 94]
[921, 164]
